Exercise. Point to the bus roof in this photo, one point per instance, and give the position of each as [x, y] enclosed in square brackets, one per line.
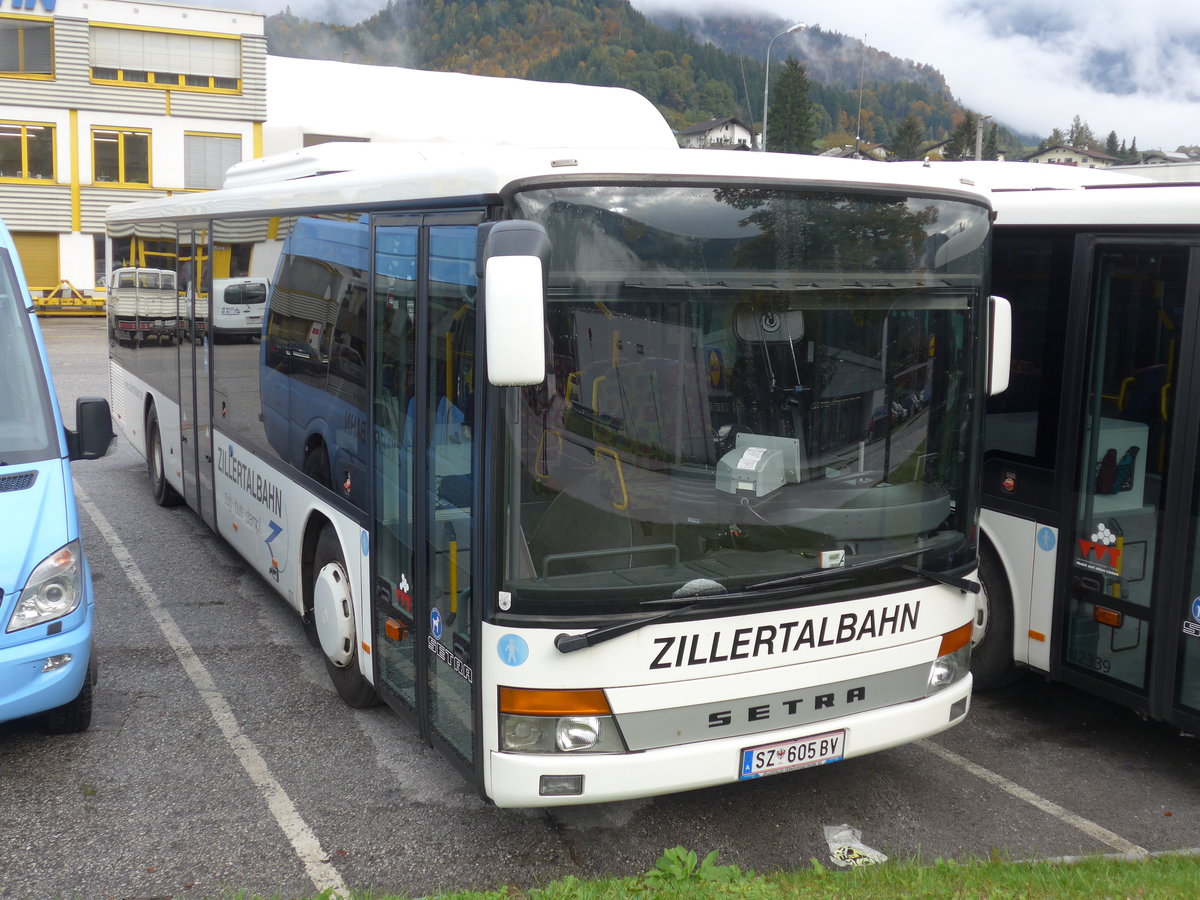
[1039, 194]
[379, 175]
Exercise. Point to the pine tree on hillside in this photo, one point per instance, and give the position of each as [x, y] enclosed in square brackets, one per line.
[906, 142]
[791, 119]
[962, 140]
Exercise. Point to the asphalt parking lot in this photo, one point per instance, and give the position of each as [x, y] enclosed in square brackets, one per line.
[220, 757]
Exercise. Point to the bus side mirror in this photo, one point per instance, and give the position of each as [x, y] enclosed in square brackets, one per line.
[93, 435]
[1000, 353]
[516, 259]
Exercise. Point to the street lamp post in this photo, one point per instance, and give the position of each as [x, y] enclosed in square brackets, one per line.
[799, 26]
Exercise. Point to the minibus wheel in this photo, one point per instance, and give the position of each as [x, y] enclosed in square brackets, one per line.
[73, 717]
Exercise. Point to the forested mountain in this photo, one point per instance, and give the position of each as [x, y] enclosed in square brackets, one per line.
[693, 69]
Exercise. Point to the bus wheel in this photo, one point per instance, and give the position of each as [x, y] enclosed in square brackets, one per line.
[73, 717]
[164, 494]
[992, 637]
[333, 616]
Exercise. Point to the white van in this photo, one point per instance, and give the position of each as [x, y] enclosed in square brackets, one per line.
[237, 306]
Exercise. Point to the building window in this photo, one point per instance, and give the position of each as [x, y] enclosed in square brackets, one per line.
[206, 157]
[167, 61]
[26, 150]
[26, 47]
[120, 156]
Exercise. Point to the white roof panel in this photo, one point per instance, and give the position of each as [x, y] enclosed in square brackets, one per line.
[375, 175]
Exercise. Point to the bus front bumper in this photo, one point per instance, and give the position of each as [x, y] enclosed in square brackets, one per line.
[515, 778]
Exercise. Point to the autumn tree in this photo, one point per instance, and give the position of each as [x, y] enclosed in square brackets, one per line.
[1080, 134]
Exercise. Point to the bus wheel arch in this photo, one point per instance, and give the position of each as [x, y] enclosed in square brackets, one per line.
[992, 661]
[329, 613]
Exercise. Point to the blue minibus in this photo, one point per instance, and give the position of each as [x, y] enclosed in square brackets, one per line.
[47, 667]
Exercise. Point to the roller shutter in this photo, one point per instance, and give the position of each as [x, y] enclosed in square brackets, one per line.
[39, 258]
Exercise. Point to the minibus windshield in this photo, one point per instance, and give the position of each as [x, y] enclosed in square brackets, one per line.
[26, 433]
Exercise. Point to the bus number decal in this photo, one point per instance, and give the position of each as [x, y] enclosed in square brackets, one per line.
[1091, 661]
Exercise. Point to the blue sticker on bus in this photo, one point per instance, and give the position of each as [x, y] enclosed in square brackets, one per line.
[365, 543]
[435, 623]
[1196, 609]
[1046, 539]
[513, 650]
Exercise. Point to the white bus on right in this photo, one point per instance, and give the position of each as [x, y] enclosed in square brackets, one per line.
[1091, 482]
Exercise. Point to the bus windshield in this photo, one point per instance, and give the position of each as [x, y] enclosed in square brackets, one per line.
[26, 434]
[743, 384]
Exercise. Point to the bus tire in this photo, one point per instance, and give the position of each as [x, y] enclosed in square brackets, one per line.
[164, 493]
[992, 637]
[333, 616]
[73, 717]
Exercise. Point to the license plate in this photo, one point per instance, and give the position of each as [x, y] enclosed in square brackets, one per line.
[771, 759]
[254, 320]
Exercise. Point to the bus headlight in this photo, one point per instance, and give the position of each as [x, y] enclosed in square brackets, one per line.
[54, 589]
[953, 660]
[540, 721]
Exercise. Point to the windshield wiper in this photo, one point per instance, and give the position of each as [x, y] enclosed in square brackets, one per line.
[566, 643]
[964, 585]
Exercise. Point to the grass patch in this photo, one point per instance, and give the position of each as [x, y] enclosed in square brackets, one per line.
[681, 874]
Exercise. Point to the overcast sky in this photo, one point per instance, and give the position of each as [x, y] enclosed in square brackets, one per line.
[1133, 68]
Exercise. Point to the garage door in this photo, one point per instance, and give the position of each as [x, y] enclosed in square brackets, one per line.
[39, 258]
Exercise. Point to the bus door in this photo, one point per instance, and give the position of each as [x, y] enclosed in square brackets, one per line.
[195, 397]
[426, 489]
[1123, 615]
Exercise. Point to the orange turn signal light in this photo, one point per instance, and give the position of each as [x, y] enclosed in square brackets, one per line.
[1106, 616]
[395, 630]
[538, 702]
[955, 640]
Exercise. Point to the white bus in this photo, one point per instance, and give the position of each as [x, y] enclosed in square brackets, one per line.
[616, 472]
[1090, 478]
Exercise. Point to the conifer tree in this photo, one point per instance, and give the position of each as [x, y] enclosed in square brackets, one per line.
[906, 142]
[791, 119]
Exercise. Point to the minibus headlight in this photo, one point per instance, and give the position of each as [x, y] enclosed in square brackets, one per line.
[54, 589]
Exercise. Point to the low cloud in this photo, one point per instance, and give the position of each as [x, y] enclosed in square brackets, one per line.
[1129, 68]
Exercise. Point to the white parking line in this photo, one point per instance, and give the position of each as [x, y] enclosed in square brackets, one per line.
[304, 842]
[1091, 829]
